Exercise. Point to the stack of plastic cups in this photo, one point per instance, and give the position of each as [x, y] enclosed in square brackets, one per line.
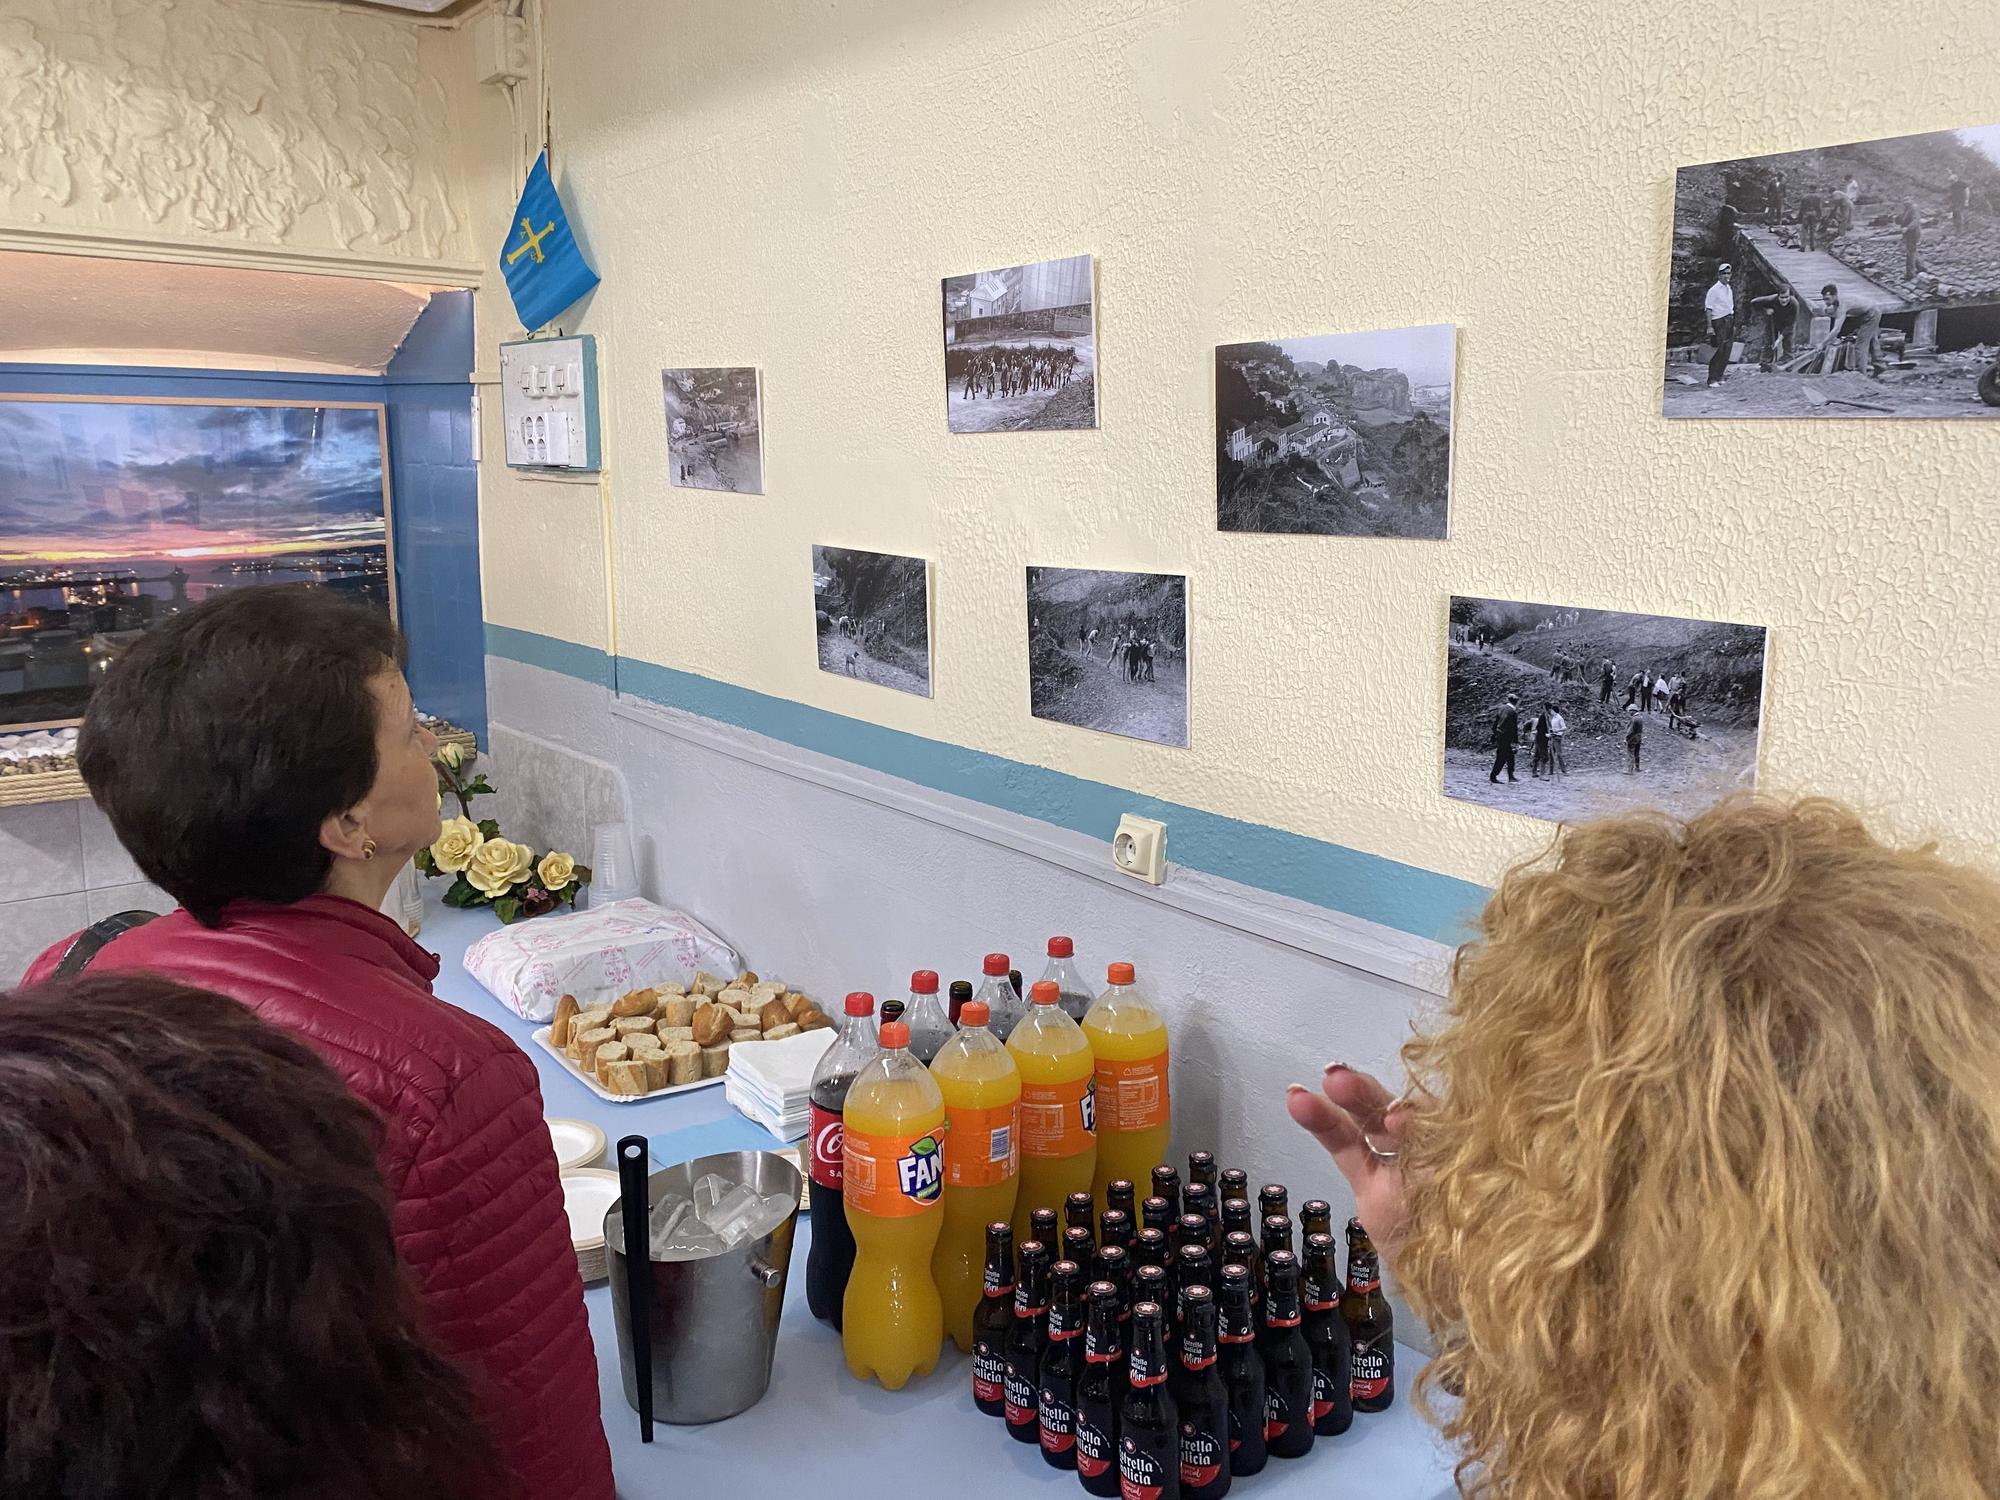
[614, 874]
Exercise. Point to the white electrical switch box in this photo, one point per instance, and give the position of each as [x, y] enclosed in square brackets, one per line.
[548, 402]
[1139, 848]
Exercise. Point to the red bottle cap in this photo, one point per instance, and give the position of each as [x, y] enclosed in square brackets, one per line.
[895, 1034]
[924, 982]
[997, 965]
[1121, 974]
[974, 1013]
[1046, 992]
[1061, 948]
[861, 1003]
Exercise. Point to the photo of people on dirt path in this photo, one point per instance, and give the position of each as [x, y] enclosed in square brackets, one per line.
[715, 430]
[1567, 714]
[1842, 281]
[1108, 651]
[872, 617]
[1020, 347]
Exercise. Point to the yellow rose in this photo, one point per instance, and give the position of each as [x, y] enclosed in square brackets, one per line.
[457, 841]
[556, 870]
[498, 865]
[451, 755]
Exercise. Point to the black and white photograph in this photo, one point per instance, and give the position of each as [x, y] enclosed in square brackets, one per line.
[1108, 651]
[1345, 434]
[1020, 347]
[1566, 714]
[715, 430]
[872, 614]
[1839, 281]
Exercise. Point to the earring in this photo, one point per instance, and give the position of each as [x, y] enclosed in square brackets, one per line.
[367, 848]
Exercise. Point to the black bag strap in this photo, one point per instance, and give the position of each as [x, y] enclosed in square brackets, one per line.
[91, 941]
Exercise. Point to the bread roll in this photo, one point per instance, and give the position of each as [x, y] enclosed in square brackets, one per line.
[637, 1003]
[774, 1013]
[625, 1025]
[705, 983]
[566, 1009]
[737, 998]
[779, 1033]
[676, 1010]
[767, 989]
[624, 1077]
[746, 1034]
[591, 1019]
[675, 1034]
[747, 978]
[583, 1045]
[715, 1060]
[797, 1004]
[668, 987]
[659, 1070]
[606, 1054]
[814, 1020]
[712, 1025]
[684, 1062]
[641, 1041]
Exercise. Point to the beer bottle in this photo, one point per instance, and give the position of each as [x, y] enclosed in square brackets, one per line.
[1199, 1198]
[1232, 1182]
[1242, 1369]
[1121, 1195]
[1042, 1228]
[1190, 1229]
[1277, 1234]
[1316, 1217]
[1080, 1212]
[1157, 1213]
[1167, 1185]
[1099, 1392]
[1149, 1439]
[1200, 1401]
[1272, 1198]
[1240, 1249]
[1149, 1247]
[1062, 1366]
[1192, 1267]
[1078, 1245]
[1327, 1338]
[1025, 1342]
[1201, 1168]
[1114, 1227]
[1236, 1215]
[1153, 1284]
[961, 991]
[992, 1320]
[1288, 1373]
[1112, 1264]
[1370, 1324]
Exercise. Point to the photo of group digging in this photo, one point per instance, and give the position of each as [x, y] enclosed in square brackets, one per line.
[715, 433]
[1342, 435]
[1108, 651]
[872, 616]
[1569, 714]
[1020, 347]
[1845, 281]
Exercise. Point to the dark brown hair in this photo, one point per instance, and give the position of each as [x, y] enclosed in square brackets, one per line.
[220, 743]
[199, 1292]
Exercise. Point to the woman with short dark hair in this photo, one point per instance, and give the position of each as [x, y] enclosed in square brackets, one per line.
[260, 758]
[199, 1292]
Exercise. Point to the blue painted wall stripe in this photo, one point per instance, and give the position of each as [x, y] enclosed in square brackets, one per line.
[1405, 897]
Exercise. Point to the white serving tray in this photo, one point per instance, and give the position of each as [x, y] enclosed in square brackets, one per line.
[540, 1037]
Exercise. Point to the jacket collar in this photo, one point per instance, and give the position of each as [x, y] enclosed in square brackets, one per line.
[362, 926]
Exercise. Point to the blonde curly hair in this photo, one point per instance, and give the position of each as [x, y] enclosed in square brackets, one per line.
[1705, 1169]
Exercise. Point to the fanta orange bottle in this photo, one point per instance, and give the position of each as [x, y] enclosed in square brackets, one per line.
[982, 1160]
[892, 1181]
[1128, 1038]
[1058, 1117]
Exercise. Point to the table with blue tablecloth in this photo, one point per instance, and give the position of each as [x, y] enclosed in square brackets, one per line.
[819, 1429]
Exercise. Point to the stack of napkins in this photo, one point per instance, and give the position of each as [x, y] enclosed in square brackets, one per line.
[771, 1082]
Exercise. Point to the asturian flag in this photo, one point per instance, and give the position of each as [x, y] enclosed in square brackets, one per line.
[544, 269]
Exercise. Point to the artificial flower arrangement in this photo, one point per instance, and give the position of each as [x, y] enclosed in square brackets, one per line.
[487, 869]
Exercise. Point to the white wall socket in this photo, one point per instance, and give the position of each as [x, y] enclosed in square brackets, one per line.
[1139, 848]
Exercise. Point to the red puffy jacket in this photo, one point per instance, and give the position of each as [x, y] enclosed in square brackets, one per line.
[479, 1209]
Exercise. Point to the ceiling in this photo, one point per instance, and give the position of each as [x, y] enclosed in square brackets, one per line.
[84, 310]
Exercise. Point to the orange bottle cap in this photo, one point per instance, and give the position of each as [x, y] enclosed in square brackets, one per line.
[1121, 974]
[974, 1013]
[895, 1034]
[1045, 992]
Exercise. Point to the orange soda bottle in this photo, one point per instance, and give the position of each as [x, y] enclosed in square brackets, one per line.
[1058, 1113]
[1128, 1039]
[892, 1182]
[982, 1160]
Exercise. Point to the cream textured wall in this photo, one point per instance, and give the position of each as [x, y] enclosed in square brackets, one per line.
[783, 184]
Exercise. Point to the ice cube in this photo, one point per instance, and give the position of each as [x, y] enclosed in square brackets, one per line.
[668, 1208]
[691, 1242]
[709, 1191]
[668, 1217]
[733, 1206]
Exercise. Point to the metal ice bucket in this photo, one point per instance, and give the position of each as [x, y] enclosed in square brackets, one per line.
[714, 1320]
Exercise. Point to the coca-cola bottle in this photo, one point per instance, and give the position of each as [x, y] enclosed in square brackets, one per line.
[1370, 1324]
[1149, 1247]
[832, 1253]
[1076, 992]
[929, 1022]
[1025, 1342]
[1004, 1010]
[1288, 1372]
[1062, 1366]
[1080, 1212]
[1114, 1227]
[1315, 1217]
[1327, 1337]
[991, 1321]
[1201, 1168]
[1242, 1370]
[1149, 1438]
[1120, 1194]
[1167, 1185]
[1099, 1391]
[1200, 1401]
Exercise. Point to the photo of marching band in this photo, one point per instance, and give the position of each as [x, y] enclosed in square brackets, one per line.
[1020, 347]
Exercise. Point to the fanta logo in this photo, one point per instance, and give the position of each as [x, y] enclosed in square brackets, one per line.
[1090, 1106]
[921, 1173]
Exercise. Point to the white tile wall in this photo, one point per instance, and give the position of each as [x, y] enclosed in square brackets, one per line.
[41, 851]
[29, 927]
[61, 868]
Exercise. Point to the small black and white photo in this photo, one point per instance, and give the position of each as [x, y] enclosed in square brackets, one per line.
[1565, 713]
[1108, 651]
[1839, 281]
[872, 616]
[1020, 347]
[715, 430]
[1344, 434]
